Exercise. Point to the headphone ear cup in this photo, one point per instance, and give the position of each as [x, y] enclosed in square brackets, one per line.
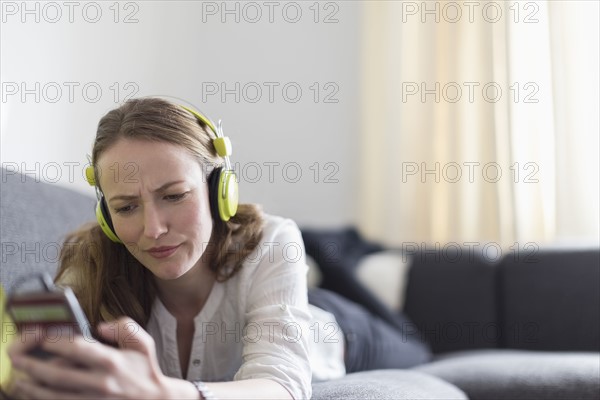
[105, 222]
[228, 201]
[213, 192]
[223, 194]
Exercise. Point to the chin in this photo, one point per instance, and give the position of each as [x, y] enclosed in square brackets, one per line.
[169, 273]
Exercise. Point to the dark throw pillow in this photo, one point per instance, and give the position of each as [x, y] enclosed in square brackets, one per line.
[337, 253]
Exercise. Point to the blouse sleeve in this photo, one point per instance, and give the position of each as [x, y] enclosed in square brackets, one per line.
[277, 314]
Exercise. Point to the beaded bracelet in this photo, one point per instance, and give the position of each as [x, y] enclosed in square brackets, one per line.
[205, 392]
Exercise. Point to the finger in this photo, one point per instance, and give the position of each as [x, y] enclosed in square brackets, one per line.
[128, 334]
[32, 390]
[60, 362]
[82, 351]
[66, 378]
[28, 339]
[108, 331]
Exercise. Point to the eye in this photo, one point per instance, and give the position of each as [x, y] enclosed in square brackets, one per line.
[175, 197]
[124, 210]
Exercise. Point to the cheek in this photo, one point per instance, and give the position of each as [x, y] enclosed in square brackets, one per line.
[127, 230]
[196, 223]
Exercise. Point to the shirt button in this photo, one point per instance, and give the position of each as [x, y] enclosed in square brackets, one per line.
[283, 307]
[196, 362]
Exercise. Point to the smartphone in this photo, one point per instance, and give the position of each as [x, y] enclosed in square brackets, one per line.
[51, 311]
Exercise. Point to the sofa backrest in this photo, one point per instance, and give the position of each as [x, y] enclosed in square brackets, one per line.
[551, 300]
[541, 300]
[35, 217]
[452, 299]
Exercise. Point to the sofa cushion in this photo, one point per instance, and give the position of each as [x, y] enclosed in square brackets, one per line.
[385, 274]
[520, 374]
[370, 342]
[386, 384]
[35, 218]
[337, 252]
[551, 300]
[452, 299]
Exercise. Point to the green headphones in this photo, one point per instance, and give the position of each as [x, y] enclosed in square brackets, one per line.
[222, 183]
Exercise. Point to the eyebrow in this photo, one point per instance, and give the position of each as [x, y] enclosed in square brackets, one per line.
[160, 189]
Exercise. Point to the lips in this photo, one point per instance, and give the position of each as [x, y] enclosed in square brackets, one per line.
[163, 251]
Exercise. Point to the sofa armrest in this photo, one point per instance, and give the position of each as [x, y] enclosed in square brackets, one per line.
[36, 216]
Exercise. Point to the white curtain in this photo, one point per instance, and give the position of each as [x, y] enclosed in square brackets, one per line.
[480, 122]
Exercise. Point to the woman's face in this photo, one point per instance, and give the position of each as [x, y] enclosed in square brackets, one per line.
[158, 201]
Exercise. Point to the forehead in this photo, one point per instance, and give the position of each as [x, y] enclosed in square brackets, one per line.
[132, 160]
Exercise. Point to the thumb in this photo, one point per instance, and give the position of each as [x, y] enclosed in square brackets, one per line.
[127, 334]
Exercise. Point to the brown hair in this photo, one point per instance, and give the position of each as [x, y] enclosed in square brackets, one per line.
[107, 279]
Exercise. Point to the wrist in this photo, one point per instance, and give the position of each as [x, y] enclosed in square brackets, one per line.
[203, 390]
[180, 389]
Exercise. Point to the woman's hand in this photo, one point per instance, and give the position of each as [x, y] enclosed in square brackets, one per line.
[84, 368]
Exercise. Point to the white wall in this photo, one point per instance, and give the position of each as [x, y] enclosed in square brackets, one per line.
[183, 50]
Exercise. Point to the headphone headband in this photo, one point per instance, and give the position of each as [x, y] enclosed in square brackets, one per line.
[201, 117]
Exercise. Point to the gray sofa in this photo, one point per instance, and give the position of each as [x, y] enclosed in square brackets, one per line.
[525, 326]
[552, 351]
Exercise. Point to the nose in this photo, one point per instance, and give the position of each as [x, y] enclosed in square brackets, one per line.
[154, 222]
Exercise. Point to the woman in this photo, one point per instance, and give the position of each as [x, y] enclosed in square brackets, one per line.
[220, 300]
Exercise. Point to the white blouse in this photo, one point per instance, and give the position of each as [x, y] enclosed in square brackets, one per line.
[258, 324]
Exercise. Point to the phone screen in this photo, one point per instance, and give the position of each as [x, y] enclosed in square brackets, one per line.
[52, 314]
